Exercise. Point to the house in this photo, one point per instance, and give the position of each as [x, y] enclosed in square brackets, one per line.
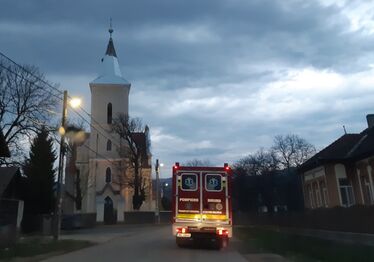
[10, 182]
[342, 173]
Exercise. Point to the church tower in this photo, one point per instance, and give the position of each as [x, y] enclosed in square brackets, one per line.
[109, 97]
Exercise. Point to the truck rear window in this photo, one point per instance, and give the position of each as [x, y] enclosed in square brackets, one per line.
[189, 182]
[213, 182]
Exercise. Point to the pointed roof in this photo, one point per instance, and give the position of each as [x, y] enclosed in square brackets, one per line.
[110, 69]
[110, 51]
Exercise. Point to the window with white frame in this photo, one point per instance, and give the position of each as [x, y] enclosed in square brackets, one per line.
[368, 193]
[324, 197]
[346, 192]
[310, 196]
[318, 194]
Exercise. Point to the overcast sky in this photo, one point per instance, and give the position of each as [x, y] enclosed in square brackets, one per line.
[214, 80]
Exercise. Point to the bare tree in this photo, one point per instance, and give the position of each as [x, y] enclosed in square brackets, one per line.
[25, 106]
[127, 128]
[292, 150]
[197, 162]
[259, 163]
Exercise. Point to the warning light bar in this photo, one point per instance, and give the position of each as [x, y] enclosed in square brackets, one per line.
[176, 166]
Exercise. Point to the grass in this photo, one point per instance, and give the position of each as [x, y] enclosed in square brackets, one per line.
[301, 248]
[30, 247]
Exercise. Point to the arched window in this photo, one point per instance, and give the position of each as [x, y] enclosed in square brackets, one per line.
[109, 145]
[108, 175]
[109, 113]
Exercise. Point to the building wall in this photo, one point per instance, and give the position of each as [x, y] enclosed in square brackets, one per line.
[354, 180]
[315, 188]
[364, 177]
[332, 185]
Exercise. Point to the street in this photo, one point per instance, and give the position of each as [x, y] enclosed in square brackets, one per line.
[141, 243]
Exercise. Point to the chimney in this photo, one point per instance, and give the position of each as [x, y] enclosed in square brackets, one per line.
[370, 120]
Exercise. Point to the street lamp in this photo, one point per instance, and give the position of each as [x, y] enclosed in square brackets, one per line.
[74, 103]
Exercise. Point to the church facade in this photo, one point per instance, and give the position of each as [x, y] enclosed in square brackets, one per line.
[98, 177]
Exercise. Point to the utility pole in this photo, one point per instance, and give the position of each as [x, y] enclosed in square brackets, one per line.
[157, 167]
[58, 205]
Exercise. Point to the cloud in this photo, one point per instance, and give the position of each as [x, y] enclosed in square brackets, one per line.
[213, 79]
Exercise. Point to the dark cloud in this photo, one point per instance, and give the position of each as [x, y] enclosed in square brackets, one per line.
[202, 71]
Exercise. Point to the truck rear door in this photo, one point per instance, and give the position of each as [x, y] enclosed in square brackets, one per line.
[188, 203]
[214, 197]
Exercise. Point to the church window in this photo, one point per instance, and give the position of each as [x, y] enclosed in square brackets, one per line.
[109, 145]
[108, 175]
[109, 113]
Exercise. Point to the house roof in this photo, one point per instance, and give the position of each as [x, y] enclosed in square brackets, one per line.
[349, 147]
[365, 147]
[6, 176]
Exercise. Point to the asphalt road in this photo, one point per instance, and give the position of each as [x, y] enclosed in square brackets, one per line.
[141, 243]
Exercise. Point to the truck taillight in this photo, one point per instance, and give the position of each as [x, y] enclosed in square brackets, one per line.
[222, 232]
[181, 230]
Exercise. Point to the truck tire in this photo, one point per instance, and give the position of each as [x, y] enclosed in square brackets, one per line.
[179, 242]
[223, 243]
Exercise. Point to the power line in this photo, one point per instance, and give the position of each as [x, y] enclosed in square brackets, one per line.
[96, 122]
[27, 80]
[60, 92]
[51, 128]
[84, 119]
[37, 77]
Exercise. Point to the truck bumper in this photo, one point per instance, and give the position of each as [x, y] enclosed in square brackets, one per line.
[202, 230]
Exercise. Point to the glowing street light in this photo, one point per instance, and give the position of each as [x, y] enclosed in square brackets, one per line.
[75, 102]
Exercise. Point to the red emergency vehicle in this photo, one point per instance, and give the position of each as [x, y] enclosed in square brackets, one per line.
[202, 207]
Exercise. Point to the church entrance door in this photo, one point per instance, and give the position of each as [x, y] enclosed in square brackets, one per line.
[109, 214]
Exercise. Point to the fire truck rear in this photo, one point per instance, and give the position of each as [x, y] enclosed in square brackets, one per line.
[202, 208]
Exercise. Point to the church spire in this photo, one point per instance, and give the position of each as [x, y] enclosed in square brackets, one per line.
[110, 69]
[110, 51]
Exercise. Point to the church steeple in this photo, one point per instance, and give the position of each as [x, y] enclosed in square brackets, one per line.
[110, 69]
[110, 51]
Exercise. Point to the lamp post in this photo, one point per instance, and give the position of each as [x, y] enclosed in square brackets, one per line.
[157, 167]
[62, 130]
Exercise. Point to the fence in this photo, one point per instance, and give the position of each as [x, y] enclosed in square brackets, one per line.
[358, 219]
[84, 220]
[11, 212]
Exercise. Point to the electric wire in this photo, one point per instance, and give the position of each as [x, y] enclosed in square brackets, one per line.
[60, 98]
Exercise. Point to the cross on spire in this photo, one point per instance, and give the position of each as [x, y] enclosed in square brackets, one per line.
[110, 48]
[110, 28]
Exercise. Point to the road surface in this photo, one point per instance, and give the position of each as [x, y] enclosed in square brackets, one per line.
[141, 243]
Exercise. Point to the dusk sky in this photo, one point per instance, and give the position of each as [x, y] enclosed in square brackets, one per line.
[214, 80]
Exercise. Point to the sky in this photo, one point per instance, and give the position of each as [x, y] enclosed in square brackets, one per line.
[214, 80]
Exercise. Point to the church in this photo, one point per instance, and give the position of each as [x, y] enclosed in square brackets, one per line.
[95, 168]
